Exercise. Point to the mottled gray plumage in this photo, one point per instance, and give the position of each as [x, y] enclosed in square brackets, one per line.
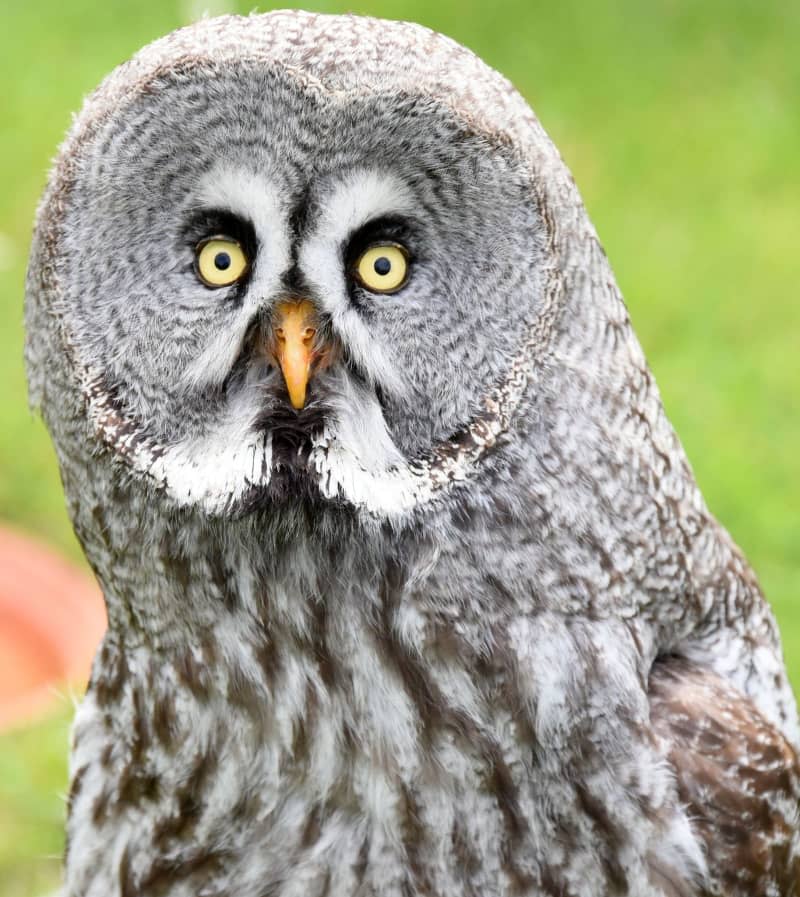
[462, 625]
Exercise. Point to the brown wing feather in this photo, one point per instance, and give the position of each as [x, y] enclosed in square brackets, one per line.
[738, 777]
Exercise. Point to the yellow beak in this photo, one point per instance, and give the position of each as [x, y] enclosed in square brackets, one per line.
[295, 329]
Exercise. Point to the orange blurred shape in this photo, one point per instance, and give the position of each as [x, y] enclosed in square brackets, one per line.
[52, 618]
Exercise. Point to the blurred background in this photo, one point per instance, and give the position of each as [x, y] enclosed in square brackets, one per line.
[681, 123]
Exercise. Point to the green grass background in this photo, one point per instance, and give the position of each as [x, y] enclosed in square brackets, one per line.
[681, 123]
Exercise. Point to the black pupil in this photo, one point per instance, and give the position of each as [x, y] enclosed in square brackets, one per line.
[382, 266]
[222, 261]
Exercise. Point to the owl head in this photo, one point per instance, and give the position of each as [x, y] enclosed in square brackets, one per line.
[293, 255]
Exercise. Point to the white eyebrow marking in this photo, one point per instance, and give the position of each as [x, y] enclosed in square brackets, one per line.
[359, 197]
[259, 200]
[252, 196]
[355, 199]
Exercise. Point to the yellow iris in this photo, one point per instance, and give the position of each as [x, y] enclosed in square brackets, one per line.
[220, 261]
[383, 268]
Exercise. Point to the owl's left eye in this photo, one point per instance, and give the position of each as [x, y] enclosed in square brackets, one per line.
[220, 261]
[383, 268]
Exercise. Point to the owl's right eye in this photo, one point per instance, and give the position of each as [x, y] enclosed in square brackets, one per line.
[220, 261]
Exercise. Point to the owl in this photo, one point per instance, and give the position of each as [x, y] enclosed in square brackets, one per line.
[410, 588]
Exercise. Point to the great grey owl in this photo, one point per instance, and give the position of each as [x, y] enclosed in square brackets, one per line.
[410, 588]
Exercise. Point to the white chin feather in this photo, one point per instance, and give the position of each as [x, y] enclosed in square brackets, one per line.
[354, 459]
[211, 473]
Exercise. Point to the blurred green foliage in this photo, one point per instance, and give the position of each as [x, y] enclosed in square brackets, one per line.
[680, 122]
[33, 782]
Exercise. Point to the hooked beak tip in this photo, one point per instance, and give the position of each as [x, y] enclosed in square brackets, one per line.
[294, 331]
[297, 397]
